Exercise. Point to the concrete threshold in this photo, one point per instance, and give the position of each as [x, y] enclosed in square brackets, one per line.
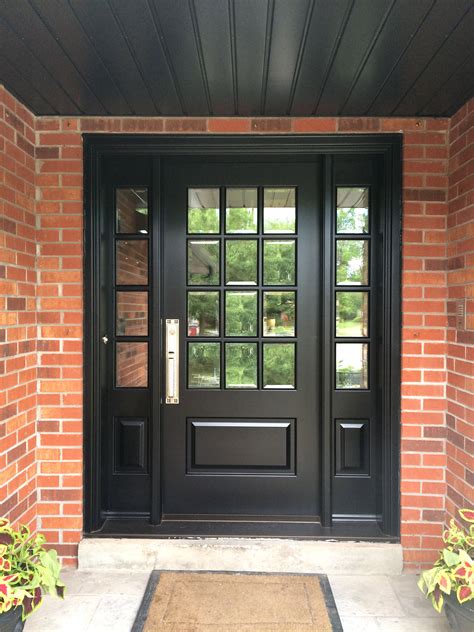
[264, 555]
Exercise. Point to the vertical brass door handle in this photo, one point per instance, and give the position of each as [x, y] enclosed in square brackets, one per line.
[172, 361]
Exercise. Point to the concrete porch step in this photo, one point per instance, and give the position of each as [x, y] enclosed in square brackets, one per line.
[242, 554]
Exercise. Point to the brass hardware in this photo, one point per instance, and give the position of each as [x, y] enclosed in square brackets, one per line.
[172, 361]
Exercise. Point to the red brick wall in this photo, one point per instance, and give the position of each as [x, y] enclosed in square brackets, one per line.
[425, 319]
[18, 335]
[460, 353]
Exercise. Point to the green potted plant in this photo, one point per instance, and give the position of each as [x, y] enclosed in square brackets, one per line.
[27, 569]
[450, 581]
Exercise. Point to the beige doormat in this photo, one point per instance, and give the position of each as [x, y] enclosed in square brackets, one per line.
[230, 602]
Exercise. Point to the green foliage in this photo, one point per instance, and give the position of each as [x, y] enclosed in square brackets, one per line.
[352, 262]
[241, 261]
[241, 313]
[26, 569]
[203, 220]
[453, 572]
[279, 365]
[241, 365]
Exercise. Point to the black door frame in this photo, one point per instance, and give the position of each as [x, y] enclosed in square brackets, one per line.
[388, 148]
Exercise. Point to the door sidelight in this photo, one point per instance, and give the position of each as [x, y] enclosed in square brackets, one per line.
[172, 361]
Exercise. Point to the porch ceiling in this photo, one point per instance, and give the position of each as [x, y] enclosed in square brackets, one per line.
[238, 57]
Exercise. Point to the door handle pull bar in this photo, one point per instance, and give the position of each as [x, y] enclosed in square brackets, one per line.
[172, 361]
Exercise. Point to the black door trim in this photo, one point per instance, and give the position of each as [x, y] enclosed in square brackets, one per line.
[389, 148]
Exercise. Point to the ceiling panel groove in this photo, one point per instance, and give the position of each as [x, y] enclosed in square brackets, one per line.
[400, 57]
[299, 60]
[467, 61]
[133, 54]
[164, 47]
[59, 43]
[202, 65]
[99, 56]
[337, 42]
[19, 72]
[367, 54]
[266, 57]
[32, 54]
[233, 55]
[442, 44]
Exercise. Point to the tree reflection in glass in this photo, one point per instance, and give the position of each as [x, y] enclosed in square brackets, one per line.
[279, 210]
[203, 211]
[279, 313]
[203, 313]
[241, 365]
[279, 365]
[352, 314]
[241, 210]
[279, 262]
[204, 365]
[240, 313]
[352, 210]
[241, 262]
[352, 262]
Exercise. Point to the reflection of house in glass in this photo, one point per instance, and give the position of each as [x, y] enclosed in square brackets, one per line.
[203, 262]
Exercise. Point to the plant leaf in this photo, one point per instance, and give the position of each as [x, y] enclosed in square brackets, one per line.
[465, 593]
[467, 514]
[450, 557]
[444, 582]
[437, 599]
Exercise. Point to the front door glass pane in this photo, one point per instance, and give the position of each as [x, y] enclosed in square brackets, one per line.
[241, 262]
[131, 365]
[279, 365]
[352, 314]
[352, 213]
[279, 313]
[203, 211]
[351, 365]
[132, 314]
[241, 365]
[352, 262]
[204, 364]
[241, 210]
[203, 262]
[203, 313]
[131, 261]
[279, 262]
[131, 210]
[279, 210]
[240, 313]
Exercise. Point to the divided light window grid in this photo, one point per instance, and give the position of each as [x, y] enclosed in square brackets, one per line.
[241, 287]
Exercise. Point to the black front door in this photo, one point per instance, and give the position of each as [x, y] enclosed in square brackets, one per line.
[242, 345]
[242, 277]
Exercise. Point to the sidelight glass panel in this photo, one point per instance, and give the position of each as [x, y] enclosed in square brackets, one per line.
[131, 261]
[279, 262]
[352, 262]
[203, 313]
[131, 210]
[203, 262]
[241, 365]
[352, 314]
[241, 210]
[131, 364]
[279, 210]
[240, 313]
[279, 313]
[131, 314]
[204, 364]
[279, 365]
[352, 365]
[241, 262]
[203, 211]
[352, 210]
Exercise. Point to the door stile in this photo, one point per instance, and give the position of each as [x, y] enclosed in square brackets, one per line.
[326, 355]
[157, 378]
